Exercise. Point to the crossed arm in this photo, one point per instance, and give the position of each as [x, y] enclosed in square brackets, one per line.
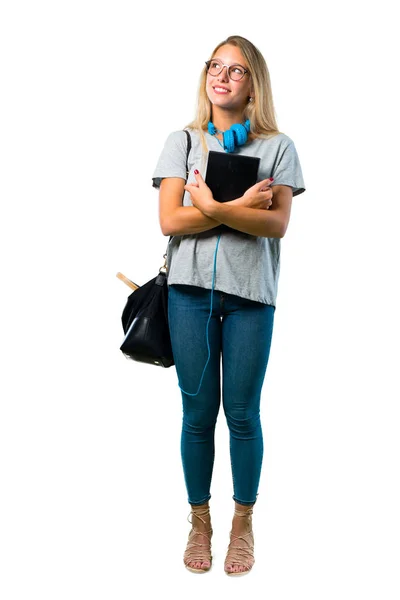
[176, 219]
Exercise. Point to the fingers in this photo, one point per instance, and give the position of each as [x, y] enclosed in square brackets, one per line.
[265, 184]
[200, 183]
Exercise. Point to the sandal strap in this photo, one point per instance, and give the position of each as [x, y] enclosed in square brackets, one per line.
[198, 551]
[244, 513]
[241, 555]
[199, 513]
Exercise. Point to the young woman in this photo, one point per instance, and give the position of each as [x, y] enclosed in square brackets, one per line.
[222, 283]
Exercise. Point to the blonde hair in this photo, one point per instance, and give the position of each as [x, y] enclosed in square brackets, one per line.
[260, 112]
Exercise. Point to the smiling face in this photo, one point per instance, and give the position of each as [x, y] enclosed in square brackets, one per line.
[223, 91]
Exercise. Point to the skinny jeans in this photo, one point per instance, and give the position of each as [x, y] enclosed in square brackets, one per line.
[240, 332]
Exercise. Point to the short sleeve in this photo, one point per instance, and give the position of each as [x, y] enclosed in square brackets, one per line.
[288, 171]
[172, 160]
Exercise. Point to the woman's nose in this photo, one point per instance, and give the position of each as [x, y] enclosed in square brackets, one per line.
[223, 76]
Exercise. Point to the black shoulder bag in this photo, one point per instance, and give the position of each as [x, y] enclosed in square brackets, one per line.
[145, 316]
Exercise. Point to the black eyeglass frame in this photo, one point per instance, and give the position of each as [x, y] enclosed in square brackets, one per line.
[228, 67]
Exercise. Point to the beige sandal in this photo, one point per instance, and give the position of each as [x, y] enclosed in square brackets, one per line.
[241, 555]
[196, 551]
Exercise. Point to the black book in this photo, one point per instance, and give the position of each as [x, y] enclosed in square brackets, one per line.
[229, 175]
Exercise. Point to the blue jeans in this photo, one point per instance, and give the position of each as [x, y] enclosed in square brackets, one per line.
[240, 330]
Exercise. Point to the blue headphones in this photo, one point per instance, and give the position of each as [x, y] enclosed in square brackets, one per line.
[235, 136]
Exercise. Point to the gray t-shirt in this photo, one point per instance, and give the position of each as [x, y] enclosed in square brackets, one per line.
[247, 265]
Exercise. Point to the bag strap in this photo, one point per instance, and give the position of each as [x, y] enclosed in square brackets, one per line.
[189, 146]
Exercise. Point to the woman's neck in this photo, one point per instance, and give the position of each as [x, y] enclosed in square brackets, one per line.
[223, 120]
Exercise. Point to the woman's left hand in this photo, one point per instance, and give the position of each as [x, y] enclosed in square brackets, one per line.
[200, 194]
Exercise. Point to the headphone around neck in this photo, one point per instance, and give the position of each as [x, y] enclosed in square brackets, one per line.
[236, 135]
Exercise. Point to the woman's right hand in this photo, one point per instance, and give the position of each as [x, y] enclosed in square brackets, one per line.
[258, 196]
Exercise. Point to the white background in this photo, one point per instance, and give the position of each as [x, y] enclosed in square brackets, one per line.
[93, 503]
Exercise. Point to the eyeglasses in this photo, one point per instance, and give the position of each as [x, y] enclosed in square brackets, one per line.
[235, 72]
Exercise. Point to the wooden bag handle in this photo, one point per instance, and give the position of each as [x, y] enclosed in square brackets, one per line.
[128, 282]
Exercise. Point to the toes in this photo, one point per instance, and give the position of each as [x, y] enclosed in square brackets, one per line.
[235, 568]
[196, 564]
